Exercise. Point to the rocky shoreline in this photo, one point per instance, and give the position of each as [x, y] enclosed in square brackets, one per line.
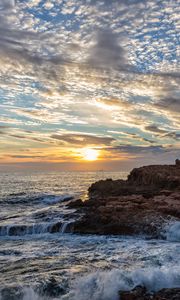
[141, 293]
[142, 204]
[145, 203]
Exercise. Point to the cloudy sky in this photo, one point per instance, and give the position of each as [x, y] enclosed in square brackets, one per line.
[89, 74]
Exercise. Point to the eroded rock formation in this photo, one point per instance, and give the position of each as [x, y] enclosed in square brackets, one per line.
[149, 198]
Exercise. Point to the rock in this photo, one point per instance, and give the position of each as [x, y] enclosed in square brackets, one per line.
[168, 294]
[148, 180]
[156, 176]
[178, 163]
[142, 204]
[55, 227]
[138, 293]
[76, 204]
[141, 293]
[17, 230]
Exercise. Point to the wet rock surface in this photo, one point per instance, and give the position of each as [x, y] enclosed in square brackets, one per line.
[142, 204]
[141, 293]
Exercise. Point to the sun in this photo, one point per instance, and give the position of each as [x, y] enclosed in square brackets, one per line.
[90, 154]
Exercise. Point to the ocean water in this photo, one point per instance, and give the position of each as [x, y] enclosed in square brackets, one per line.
[41, 258]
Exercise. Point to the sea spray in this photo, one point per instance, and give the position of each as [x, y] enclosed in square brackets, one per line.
[106, 285]
[173, 232]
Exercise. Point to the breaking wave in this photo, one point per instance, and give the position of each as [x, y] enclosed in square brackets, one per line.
[173, 232]
[49, 199]
[102, 285]
[106, 285]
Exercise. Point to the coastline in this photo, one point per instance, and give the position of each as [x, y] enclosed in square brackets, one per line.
[145, 203]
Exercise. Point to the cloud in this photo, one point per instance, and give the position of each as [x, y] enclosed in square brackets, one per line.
[108, 3]
[169, 104]
[7, 4]
[93, 66]
[138, 137]
[162, 132]
[22, 52]
[83, 139]
[107, 52]
[3, 127]
[115, 102]
[155, 129]
[26, 156]
[132, 149]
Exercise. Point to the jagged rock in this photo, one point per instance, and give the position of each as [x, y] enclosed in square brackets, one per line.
[178, 162]
[141, 293]
[141, 204]
[138, 293]
[75, 204]
[17, 230]
[168, 294]
[148, 180]
[55, 227]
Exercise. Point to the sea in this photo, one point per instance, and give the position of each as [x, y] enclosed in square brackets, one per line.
[41, 259]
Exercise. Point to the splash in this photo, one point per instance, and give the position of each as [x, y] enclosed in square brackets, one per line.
[173, 232]
[106, 285]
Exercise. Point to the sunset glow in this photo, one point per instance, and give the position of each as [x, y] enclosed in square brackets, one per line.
[90, 154]
[86, 74]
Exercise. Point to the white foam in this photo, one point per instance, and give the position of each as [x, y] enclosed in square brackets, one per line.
[106, 285]
[173, 232]
[56, 199]
[29, 294]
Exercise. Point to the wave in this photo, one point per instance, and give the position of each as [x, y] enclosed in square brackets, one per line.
[100, 285]
[49, 199]
[172, 232]
[106, 285]
[34, 229]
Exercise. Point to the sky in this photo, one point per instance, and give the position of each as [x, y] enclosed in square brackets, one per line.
[82, 75]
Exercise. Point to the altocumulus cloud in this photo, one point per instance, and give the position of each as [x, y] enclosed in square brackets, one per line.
[93, 67]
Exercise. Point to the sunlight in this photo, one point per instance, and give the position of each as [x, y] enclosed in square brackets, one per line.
[90, 154]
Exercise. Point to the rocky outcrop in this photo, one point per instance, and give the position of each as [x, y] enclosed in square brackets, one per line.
[147, 180]
[141, 293]
[156, 177]
[177, 162]
[143, 203]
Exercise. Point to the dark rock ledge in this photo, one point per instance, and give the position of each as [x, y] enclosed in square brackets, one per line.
[140, 293]
[142, 204]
